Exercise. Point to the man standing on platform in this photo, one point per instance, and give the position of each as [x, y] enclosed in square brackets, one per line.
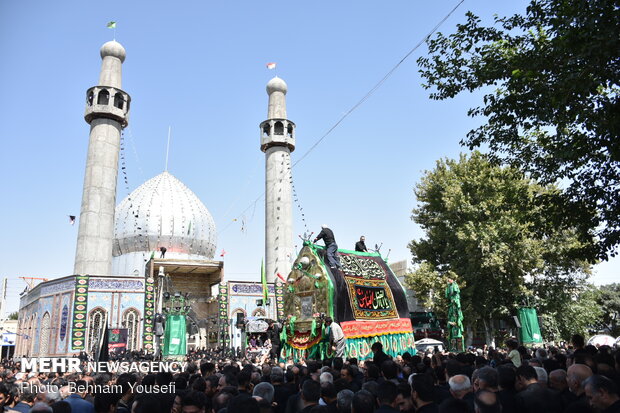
[360, 246]
[336, 337]
[331, 247]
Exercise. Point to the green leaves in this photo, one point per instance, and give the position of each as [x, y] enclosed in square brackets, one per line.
[485, 225]
[554, 111]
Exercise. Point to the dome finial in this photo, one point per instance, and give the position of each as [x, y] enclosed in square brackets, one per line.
[276, 85]
[114, 49]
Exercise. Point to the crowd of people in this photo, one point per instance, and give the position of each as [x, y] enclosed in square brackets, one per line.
[578, 378]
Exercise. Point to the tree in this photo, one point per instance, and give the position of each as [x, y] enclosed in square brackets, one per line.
[551, 104]
[482, 223]
[609, 302]
[429, 286]
[13, 316]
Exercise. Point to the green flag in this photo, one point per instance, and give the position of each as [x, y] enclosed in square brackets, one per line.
[530, 330]
[263, 279]
[175, 336]
[111, 25]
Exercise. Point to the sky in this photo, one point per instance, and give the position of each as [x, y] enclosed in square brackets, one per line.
[199, 67]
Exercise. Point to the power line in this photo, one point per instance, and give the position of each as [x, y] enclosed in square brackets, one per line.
[359, 103]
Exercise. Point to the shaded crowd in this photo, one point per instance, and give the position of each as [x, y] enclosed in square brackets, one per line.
[578, 378]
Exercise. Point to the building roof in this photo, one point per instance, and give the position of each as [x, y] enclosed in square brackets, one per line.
[163, 212]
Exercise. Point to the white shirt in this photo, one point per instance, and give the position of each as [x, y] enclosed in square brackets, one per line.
[336, 332]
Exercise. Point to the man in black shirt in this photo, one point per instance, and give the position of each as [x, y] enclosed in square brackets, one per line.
[331, 247]
[360, 246]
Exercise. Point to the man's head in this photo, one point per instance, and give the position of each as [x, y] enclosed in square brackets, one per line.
[362, 238]
[601, 392]
[487, 402]
[264, 391]
[576, 376]
[344, 400]
[422, 390]
[126, 381]
[376, 347]
[106, 402]
[460, 385]
[557, 380]
[277, 375]
[542, 376]
[328, 321]
[578, 341]
[363, 402]
[387, 393]
[347, 373]
[526, 375]
[488, 378]
[310, 392]
[4, 395]
[328, 392]
[194, 402]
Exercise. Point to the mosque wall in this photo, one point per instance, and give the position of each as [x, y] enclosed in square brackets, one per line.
[242, 298]
[45, 314]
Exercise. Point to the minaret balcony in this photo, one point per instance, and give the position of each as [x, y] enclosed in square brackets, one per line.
[277, 132]
[107, 102]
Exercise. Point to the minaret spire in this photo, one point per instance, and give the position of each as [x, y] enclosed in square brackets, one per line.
[278, 141]
[107, 111]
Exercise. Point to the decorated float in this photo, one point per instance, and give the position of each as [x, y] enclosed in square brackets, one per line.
[364, 297]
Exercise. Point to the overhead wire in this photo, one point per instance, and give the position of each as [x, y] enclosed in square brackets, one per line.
[356, 105]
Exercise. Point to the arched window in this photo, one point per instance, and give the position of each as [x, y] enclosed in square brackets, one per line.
[118, 100]
[90, 98]
[278, 128]
[96, 319]
[44, 336]
[266, 130]
[131, 321]
[289, 130]
[103, 98]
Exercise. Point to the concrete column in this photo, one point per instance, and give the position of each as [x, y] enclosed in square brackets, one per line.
[278, 213]
[278, 189]
[96, 226]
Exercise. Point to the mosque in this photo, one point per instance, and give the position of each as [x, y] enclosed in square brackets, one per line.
[154, 251]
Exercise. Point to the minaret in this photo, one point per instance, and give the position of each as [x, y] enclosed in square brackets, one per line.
[278, 141]
[107, 111]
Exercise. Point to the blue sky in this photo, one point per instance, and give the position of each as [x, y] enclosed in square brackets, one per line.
[199, 67]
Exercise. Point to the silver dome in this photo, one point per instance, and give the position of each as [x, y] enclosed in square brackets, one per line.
[163, 212]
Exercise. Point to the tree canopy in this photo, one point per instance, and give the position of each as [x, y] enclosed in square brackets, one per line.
[483, 226]
[550, 80]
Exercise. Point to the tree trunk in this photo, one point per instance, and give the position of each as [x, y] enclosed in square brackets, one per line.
[489, 332]
[469, 335]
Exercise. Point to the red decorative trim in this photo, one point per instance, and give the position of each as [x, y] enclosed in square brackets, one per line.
[303, 341]
[356, 329]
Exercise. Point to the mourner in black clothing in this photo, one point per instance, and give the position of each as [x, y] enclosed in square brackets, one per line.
[331, 247]
[360, 245]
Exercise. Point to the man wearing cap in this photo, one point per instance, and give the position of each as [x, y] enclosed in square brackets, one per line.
[331, 247]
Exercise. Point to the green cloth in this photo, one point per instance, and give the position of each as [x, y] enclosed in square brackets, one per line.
[175, 336]
[530, 330]
[393, 345]
[455, 318]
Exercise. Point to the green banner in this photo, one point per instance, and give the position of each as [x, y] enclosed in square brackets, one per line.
[530, 330]
[174, 336]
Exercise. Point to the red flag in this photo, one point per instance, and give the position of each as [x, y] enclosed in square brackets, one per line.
[271, 66]
[223, 253]
[281, 277]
